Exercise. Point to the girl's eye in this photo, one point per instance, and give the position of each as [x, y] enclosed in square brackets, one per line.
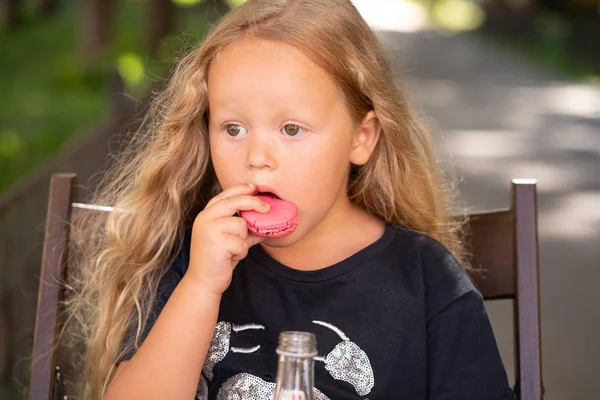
[235, 130]
[292, 130]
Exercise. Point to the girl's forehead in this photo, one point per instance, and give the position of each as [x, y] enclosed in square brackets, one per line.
[251, 67]
[246, 47]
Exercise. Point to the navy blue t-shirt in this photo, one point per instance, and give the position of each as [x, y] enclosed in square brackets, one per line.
[399, 319]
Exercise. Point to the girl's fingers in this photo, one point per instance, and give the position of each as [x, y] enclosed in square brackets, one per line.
[236, 247]
[250, 241]
[232, 191]
[228, 206]
[235, 226]
[253, 239]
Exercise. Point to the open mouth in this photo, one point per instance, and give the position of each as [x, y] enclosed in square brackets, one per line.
[268, 194]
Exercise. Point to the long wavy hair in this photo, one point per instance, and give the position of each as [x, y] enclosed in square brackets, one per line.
[164, 177]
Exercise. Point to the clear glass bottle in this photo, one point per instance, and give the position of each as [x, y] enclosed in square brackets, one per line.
[295, 371]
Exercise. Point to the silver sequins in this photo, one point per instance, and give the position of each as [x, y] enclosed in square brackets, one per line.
[219, 346]
[246, 387]
[348, 362]
[202, 391]
[249, 387]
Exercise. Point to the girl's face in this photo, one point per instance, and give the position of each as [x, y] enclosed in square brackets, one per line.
[278, 120]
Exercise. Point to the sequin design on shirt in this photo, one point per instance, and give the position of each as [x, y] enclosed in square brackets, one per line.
[218, 349]
[202, 391]
[249, 387]
[219, 345]
[348, 362]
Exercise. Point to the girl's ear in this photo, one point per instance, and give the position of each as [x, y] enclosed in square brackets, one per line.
[365, 139]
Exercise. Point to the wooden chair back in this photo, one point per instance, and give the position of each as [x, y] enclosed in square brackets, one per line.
[504, 252]
[48, 367]
[504, 248]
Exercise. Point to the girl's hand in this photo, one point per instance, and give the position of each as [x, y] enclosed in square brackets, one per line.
[220, 239]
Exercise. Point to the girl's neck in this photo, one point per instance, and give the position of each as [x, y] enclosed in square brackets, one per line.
[335, 239]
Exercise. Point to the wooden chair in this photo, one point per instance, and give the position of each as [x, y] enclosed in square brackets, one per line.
[504, 248]
[503, 244]
[46, 382]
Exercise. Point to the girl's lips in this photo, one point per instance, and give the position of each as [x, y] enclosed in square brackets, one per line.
[266, 189]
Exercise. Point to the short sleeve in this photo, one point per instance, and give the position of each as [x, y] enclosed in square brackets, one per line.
[463, 358]
[165, 288]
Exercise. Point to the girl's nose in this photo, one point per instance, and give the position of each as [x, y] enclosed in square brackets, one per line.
[260, 153]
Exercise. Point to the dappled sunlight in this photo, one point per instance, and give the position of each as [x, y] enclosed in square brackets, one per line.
[593, 80]
[551, 178]
[10, 143]
[131, 68]
[458, 15]
[415, 15]
[488, 143]
[235, 3]
[436, 92]
[186, 3]
[579, 138]
[572, 99]
[575, 216]
[393, 15]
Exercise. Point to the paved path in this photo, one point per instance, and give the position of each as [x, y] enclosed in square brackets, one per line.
[497, 117]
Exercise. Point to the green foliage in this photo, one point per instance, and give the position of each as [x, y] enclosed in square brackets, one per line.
[10, 143]
[458, 15]
[235, 3]
[49, 97]
[186, 3]
[131, 68]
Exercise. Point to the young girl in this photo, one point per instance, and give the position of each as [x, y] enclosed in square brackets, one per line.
[294, 100]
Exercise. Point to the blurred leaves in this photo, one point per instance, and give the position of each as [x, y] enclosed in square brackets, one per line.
[10, 143]
[50, 97]
[47, 96]
[131, 68]
[186, 3]
[235, 3]
[458, 15]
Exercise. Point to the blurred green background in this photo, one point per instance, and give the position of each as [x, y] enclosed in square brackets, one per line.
[52, 88]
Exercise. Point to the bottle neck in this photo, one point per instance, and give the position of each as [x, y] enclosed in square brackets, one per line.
[295, 378]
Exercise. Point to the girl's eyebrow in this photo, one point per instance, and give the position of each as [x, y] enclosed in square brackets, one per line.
[221, 113]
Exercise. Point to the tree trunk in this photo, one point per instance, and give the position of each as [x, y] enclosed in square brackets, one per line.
[161, 21]
[10, 14]
[6, 331]
[96, 22]
[47, 7]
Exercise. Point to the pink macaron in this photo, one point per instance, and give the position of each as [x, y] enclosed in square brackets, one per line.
[280, 221]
